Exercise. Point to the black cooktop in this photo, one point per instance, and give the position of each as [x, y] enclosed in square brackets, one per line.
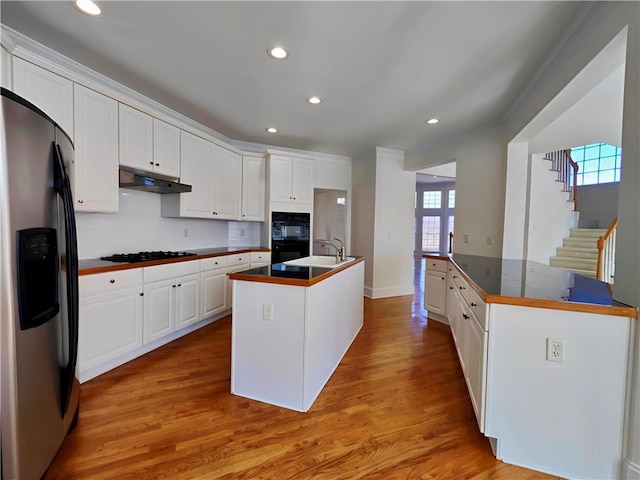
[145, 256]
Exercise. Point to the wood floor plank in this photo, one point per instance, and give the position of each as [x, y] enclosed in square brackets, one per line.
[397, 407]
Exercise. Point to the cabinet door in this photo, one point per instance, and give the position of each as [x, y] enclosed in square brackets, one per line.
[197, 160]
[94, 172]
[213, 286]
[110, 325]
[136, 138]
[435, 292]
[280, 179]
[48, 91]
[159, 309]
[166, 148]
[475, 367]
[253, 186]
[187, 300]
[227, 185]
[302, 180]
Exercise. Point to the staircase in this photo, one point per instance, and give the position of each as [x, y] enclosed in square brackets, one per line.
[579, 251]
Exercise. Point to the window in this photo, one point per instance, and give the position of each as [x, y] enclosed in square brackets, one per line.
[597, 163]
[432, 199]
[431, 233]
[452, 199]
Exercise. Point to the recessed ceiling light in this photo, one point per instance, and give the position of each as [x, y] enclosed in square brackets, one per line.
[432, 121]
[278, 53]
[272, 130]
[314, 100]
[89, 7]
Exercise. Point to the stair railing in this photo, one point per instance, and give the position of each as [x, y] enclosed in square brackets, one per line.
[567, 169]
[607, 253]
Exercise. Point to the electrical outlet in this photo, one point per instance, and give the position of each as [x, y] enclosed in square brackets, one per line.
[185, 233]
[555, 350]
[489, 240]
[267, 311]
[243, 233]
[466, 238]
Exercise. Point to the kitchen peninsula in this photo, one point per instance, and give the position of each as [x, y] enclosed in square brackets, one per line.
[545, 354]
[291, 327]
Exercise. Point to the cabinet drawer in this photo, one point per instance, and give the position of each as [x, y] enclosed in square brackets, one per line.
[101, 283]
[213, 263]
[437, 265]
[478, 307]
[260, 257]
[461, 284]
[239, 259]
[171, 270]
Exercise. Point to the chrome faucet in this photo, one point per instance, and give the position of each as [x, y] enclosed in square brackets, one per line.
[340, 255]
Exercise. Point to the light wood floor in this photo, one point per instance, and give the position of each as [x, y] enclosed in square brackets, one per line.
[396, 408]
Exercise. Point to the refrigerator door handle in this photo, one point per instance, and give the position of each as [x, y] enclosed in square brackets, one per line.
[63, 188]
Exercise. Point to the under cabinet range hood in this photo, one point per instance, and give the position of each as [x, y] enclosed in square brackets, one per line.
[150, 182]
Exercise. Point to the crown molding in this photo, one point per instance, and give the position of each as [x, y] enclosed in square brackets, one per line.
[328, 157]
[6, 41]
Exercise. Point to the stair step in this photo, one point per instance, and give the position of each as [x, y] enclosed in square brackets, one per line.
[580, 242]
[586, 273]
[587, 232]
[577, 252]
[571, 262]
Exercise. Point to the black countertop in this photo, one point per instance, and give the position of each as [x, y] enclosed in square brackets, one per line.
[500, 279]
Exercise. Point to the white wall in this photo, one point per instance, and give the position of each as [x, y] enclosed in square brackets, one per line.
[550, 214]
[596, 117]
[480, 191]
[598, 204]
[394, 225]
[363, 192]
[516, 201]
[138, 226]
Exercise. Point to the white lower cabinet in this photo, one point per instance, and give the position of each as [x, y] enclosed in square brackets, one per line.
[110, 317]
[213, 286]
[172, 295]
[470, 338]
[260, 259]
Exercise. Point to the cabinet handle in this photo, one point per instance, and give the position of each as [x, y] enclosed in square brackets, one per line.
[150, 163]
[466, 317]
[442, 278]
[142, 294]
[455, 276]
[179, 284]
[294, 198]
[461, 288]
[157, 164]
[243, 215]
[173, 286]
[80, 201]
[474, 304]
[450, 288]
[112, 281]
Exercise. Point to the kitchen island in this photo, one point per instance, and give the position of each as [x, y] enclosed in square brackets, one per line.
[545, 354]
[291, 327]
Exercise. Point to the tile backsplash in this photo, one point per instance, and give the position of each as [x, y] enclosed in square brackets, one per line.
[138, 226]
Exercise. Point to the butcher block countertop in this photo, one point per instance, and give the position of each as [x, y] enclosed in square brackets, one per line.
[291, 274]
[533, 284]
[92, 266]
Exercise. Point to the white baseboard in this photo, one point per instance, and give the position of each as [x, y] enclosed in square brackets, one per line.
[630, 470]
[386, 292]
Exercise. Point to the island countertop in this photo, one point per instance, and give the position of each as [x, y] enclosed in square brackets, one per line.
[528, 283]
[92, 266]
[291, 274]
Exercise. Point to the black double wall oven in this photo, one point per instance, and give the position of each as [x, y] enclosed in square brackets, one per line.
[289, 236]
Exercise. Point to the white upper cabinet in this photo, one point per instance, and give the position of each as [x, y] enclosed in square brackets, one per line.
[166, 149]
[253, 188]
[227, 185]
[290, 180]
[49, 92]
[215, 175]
[136, 138]
[94, 173]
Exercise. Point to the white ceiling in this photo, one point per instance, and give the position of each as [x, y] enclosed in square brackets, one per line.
[382, 68]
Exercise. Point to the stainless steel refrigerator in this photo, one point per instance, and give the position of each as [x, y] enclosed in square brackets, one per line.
[38, 290]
